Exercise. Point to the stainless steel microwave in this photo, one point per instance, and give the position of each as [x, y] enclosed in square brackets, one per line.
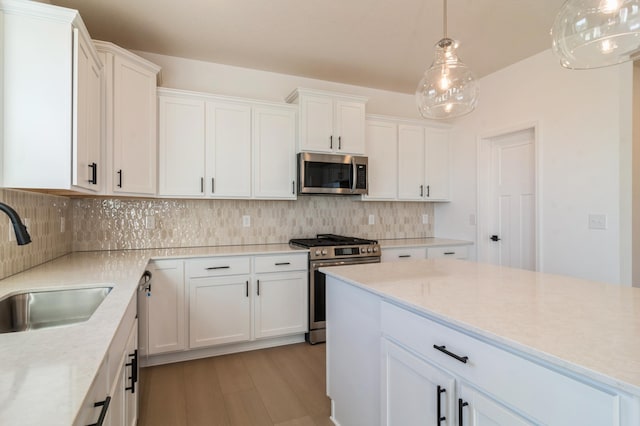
[331, 174]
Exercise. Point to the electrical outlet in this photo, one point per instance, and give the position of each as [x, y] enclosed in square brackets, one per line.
[372, 219]
[425, 219]
[597, 221]
[150, 222]
[246, 221]
[63, 226]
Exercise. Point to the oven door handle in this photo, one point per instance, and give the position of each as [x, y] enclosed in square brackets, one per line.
[315, 265]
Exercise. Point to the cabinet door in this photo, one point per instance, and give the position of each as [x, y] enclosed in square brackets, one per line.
[414, 392]
[316, 124]
[219, 310]
[403, 254]
[274, 158]
[131, 377]
[182, 141]
[478, 409]
[87, 132]
[134, 129]
[438, 159]
[349, 127]
[382, 151]
[280, 304]
[165, 327]
[411, 155]
[228, 150]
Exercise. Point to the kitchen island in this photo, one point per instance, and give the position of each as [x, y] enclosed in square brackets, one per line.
[443, 338]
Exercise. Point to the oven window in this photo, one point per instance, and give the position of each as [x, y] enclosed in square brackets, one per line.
[327, 175]
[319, 297]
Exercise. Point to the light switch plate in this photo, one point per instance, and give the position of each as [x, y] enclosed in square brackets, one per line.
[150, 222]
[246, 221]
[425, 219]
[372, 219]
[597, 221]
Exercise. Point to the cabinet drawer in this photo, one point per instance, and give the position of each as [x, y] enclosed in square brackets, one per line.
[396, 254]
[281, 263]
[544, 394]
[456, 252]
[218, 266]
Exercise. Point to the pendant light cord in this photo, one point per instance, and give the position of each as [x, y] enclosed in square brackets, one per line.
[444, 19]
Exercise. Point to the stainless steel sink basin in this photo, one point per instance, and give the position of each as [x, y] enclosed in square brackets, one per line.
[41, 309]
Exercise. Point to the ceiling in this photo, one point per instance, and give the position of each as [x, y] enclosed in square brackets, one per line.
[385, 44]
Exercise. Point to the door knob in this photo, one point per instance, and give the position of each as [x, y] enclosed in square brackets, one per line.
[494, 238]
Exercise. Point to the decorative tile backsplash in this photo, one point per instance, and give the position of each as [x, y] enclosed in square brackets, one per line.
[42, 214]
[110, 224]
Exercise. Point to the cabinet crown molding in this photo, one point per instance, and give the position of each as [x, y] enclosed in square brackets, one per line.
[108, 47]
[303, 91]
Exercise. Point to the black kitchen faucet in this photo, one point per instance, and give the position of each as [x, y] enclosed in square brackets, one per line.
[22, 236]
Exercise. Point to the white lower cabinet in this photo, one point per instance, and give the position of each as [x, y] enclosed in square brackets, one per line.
[219, 311]
[278, 309]
[414, 390]
[476, 408]
[162, 310]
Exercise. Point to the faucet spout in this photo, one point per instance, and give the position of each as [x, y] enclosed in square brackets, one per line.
[22, 236]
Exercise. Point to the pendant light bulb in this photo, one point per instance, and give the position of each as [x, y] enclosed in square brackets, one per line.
[448, 88]
[596, 33]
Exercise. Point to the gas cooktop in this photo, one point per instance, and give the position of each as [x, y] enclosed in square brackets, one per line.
[325, 240]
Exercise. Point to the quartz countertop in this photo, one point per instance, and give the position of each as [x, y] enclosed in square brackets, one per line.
[45, 374]
[588, 327]
[422, 242]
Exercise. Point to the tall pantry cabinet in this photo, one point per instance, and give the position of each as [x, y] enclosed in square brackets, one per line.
[51, 107]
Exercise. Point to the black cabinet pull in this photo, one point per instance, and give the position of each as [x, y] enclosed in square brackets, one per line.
[213, 185]
[449, 252]
[339, 142]
[461, 404]
[443, 349]
[258, 287]
[103, 411]
[293, 187]
[428, 190]
[202, 185]
[494, 238]
[283, 263]
[119, 178]
[331, 141]
[440, 417]
[134, 371]
[422, 190]
[94, 174]
[211, 268]
[404, 255]
[247, 287]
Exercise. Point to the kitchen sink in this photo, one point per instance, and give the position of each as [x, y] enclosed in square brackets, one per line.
[41, 309]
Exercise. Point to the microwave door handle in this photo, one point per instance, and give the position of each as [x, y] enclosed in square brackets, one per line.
[354, 172]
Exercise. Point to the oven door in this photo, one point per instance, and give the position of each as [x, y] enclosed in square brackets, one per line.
[317, 285]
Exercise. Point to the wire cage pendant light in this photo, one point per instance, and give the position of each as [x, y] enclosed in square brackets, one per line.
[448, 88]
[596, 33]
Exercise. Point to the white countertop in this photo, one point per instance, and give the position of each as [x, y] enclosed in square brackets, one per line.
[45, 374]
[588, 327]
[422, 242]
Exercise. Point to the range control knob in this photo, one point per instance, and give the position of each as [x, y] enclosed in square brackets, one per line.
[363, 250]
[368, 249]
[324, 252]
[317, 252]
[375, 249]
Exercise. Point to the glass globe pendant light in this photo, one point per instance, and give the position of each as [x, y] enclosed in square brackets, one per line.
[448, 88]
[596, 33]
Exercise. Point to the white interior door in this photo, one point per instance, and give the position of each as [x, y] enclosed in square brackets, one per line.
[512, 203]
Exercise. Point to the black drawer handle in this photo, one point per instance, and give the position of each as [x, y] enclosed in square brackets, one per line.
[449, 252]
[211, 268]
[404, 255]
[103, 412]
[283, 263]
[461, 405]
[440, 418]
[443, 349]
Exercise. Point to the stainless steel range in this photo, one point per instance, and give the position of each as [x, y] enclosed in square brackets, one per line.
[330, 250]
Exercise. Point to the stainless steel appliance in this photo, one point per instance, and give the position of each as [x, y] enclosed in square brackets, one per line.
[330, 250]
[332, 174]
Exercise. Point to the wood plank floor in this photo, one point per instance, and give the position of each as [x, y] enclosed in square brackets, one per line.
[283, 386]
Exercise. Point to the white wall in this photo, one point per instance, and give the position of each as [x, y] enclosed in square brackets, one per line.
[582, 118]
[199, 76]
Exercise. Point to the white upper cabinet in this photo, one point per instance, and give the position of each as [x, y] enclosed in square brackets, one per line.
[330, 122]
[130, 121]
[382, 151]
[181, 145]
[274, 139]
[51, 99]
[423, 164]
[222, 147]
[228, 149]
